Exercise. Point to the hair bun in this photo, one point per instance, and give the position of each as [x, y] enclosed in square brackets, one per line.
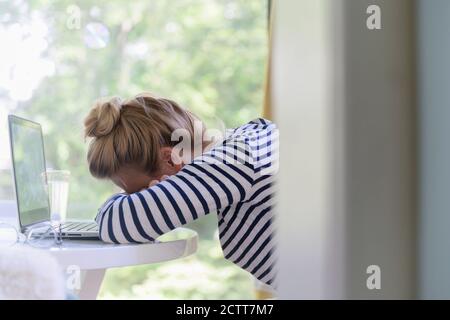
[103, 117]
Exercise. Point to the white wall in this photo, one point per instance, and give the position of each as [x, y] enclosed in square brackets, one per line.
[302, 93]
[344, 102]
[434, 89]
[381, 148]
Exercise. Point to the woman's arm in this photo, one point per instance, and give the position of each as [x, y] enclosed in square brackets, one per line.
[204, 186]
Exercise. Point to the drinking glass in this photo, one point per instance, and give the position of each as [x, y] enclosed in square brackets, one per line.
[58, 192]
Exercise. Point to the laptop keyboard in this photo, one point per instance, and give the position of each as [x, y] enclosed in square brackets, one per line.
[79, 226]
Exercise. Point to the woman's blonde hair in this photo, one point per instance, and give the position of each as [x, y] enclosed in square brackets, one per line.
[132, 132]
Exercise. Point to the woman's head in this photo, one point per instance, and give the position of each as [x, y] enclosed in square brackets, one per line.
[131, 139]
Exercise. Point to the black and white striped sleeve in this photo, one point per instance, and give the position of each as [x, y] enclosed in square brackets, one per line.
[201, 187]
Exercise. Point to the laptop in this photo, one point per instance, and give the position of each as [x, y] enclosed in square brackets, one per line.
[30, 182]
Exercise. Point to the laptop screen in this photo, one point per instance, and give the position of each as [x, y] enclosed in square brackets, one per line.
[27, 148]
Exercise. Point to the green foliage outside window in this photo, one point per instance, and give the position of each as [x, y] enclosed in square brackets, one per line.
[208, 55]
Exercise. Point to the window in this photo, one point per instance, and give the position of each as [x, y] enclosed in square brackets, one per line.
[57, 57]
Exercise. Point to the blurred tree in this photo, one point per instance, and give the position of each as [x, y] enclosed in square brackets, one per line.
[209, 55]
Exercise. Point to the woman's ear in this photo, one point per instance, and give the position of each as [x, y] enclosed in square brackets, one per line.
[170, 162]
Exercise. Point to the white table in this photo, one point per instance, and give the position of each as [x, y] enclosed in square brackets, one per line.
[93, 258]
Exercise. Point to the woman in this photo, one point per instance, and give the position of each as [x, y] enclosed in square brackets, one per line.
[135, 143]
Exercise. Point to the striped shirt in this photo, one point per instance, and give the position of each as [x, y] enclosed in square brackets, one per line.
[235, 179]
